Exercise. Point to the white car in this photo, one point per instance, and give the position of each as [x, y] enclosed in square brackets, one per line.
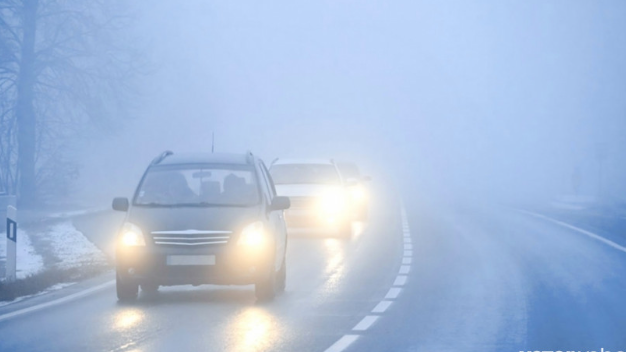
[320, 198]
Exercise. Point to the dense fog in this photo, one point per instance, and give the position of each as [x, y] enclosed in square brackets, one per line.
[505, 99]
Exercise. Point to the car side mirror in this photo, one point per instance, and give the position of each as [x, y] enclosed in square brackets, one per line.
[280, 203]
[120, 204]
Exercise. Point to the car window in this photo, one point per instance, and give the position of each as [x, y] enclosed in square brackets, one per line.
[349, 170]
[304, 174]
[229, 185]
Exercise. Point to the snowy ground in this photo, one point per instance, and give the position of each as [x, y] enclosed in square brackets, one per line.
[69, 246]
[28, 261]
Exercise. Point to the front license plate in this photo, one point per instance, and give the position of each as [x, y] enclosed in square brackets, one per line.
[190, 260]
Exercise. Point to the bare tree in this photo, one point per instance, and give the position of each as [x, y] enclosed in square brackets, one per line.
[64, 64]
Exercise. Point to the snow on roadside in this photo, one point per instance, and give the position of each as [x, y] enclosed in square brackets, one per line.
[72, 247]
[28, 261]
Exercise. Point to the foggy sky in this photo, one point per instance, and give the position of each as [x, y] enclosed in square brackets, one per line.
[482, 97]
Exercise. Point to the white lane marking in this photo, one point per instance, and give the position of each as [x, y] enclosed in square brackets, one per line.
[365, 323]
[344, 342]
[67, 298]
[382, 306]
[408, 246]
[393, 293]
[404, 269]
[400, 280]
[584, 232]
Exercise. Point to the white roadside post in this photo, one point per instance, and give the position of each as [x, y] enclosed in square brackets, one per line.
[11, 264]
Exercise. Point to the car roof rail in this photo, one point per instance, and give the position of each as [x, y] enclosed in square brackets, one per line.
[274, 161]
[161, 156]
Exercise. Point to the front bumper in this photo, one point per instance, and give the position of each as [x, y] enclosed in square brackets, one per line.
[233, 265]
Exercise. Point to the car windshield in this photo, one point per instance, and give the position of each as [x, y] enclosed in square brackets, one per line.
[198, 185]
[304, 174]
[349, 170]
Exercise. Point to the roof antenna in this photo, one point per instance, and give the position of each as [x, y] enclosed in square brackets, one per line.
[213, 142]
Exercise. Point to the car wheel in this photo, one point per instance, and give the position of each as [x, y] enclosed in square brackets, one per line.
[126, 289]
[265, 288]
[149, 288]
[281, 280]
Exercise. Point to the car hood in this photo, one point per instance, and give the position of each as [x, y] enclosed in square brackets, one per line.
[305, 190]
[192, 218]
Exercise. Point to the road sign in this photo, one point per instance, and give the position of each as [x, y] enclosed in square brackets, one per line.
[11, 264]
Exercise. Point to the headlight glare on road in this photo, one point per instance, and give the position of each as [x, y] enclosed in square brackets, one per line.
[252, 235]
[132, 236]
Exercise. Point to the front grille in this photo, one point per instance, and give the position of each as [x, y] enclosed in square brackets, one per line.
[190, 237]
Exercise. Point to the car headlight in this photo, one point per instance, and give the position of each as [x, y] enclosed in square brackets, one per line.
[132, 236]
[252, 235]
[358, 193]
[332, 203]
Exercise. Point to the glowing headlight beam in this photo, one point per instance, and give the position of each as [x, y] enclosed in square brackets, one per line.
[252, 235]
[358, 193]
[132, 236]
[332, 203]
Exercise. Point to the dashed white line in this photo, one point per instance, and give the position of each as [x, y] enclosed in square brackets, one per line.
[393, 293]
[346, 340]
[365, 323]
[400, 280]
[404, 269]
[343, 343]
[382, 306]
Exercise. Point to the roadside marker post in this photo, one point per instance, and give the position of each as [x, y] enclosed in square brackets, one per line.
[11, 264]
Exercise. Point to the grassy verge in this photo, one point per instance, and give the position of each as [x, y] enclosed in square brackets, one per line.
[41, 281]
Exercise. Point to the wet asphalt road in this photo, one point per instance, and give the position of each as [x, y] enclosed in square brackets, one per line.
[462, 279]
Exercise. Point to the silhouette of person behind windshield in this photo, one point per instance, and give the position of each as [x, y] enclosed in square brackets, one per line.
[234, 190]
[168, 187]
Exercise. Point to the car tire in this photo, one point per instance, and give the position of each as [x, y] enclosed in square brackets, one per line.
[127, 290]
[149, 288]
[265, 289]
[281, 279]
